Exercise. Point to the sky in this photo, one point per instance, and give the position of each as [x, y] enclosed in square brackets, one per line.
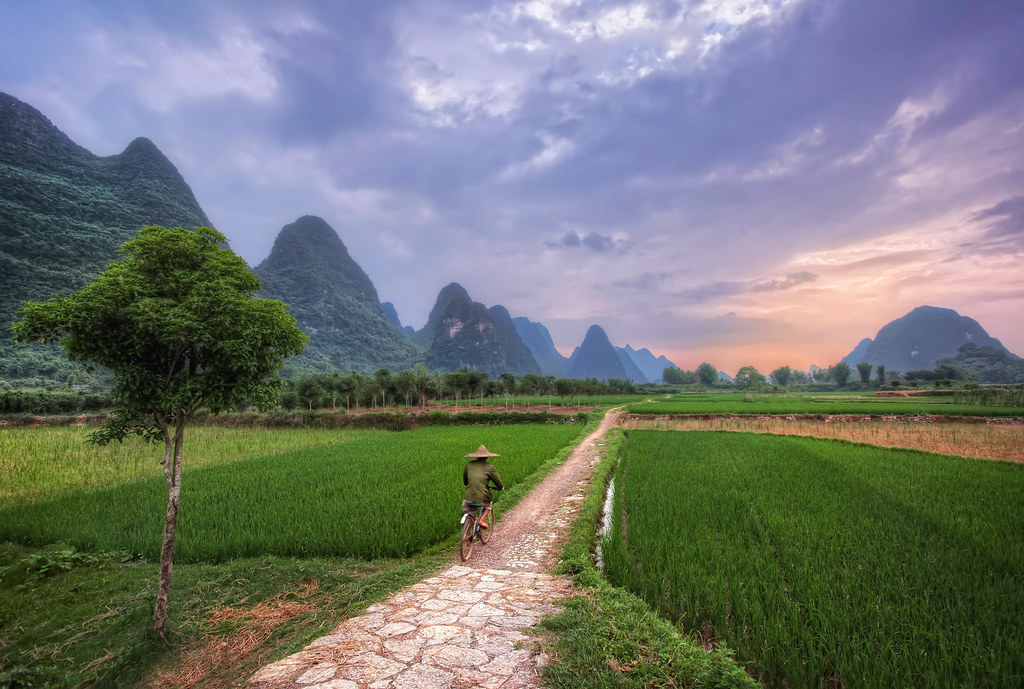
[739, 182]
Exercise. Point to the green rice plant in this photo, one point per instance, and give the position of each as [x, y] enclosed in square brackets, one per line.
[376, 495]
[823, 404]
[827, 563]
[43, 461]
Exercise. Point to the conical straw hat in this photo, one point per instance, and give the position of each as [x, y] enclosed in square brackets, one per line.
[482, 452]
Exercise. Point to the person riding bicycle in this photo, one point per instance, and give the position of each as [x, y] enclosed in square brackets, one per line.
[476, 476]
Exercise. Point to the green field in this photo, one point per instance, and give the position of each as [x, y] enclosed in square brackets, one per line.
[269, 517]
[825, 563]
[376, 495]
[44, 461]
[830, 404]
[573, 400]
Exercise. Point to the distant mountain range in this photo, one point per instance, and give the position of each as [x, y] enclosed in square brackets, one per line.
[333, 300]
[928, 336]
[64, 212]
[461, 332]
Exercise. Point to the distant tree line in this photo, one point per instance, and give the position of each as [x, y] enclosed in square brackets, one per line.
[837, 376]
[417, 386]
[53, 401]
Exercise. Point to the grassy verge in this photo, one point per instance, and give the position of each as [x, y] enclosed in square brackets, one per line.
[608, 637]
[71, 619]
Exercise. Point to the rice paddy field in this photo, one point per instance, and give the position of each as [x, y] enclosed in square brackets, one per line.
[367, 494]
[43, 461]
[819, 404]
[824, 563]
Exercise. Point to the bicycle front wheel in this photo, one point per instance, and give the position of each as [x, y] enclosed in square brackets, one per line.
[466, 542]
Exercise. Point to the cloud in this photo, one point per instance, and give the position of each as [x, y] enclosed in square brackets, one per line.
[770, 158]
[593, 241]
[714, 291]
[1003, 226]
[646, 282]
[789, 282]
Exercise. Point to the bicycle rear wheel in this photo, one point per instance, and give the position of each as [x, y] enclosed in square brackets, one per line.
[466, 541]
[486, 533]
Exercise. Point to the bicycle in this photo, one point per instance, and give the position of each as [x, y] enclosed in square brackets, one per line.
[471, 530]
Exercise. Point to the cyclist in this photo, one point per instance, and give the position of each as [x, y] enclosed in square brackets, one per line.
[476, 476]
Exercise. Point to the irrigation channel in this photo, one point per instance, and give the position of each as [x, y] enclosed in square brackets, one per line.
[461, 627]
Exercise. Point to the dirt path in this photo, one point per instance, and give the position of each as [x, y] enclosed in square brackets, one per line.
[463, 627]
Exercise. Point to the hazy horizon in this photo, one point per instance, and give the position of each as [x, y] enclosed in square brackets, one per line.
[759, 182]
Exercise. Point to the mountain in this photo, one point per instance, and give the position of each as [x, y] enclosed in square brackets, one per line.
[988, 364]
[633, 371]
[538, 339]
[596, 358]
[392, 315]
[651, 366]
[334, 302]
[64, 212]
[919, 339]
[462, 332]
[859, 352]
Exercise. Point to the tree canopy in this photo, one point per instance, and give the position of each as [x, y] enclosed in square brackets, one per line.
[749, 377]
[176, 321]
[708, 374]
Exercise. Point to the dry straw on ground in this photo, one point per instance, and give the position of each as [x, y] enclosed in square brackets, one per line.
[219, 652]
[1003, 440]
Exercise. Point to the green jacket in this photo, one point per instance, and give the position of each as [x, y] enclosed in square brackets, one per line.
[475, 476]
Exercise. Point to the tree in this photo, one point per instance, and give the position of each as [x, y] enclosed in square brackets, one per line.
[708, 374]
[310, 390]
[175, 320]
[782, 375]
[547, 387]
[332, 386]
[880, 371]
[748, 377]
[531, 384]
[424, 382]
[381, 384]
[563, 386]
[457, 382]
[477, 383]
[840, 373]
[864, 369]
[508, 384]
[672, 376]
[405, 382]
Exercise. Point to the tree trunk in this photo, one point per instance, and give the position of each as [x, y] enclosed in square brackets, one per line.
[172, 476]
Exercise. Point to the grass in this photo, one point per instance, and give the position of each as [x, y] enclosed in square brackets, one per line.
[818, 404]
[990, 441]
[608, 637]
[87, 626]
[826, 563]
[45, 461]
[382, 495]
[572, 401]
[79, 617]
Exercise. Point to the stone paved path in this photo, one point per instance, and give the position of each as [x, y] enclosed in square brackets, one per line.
[464, 627]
